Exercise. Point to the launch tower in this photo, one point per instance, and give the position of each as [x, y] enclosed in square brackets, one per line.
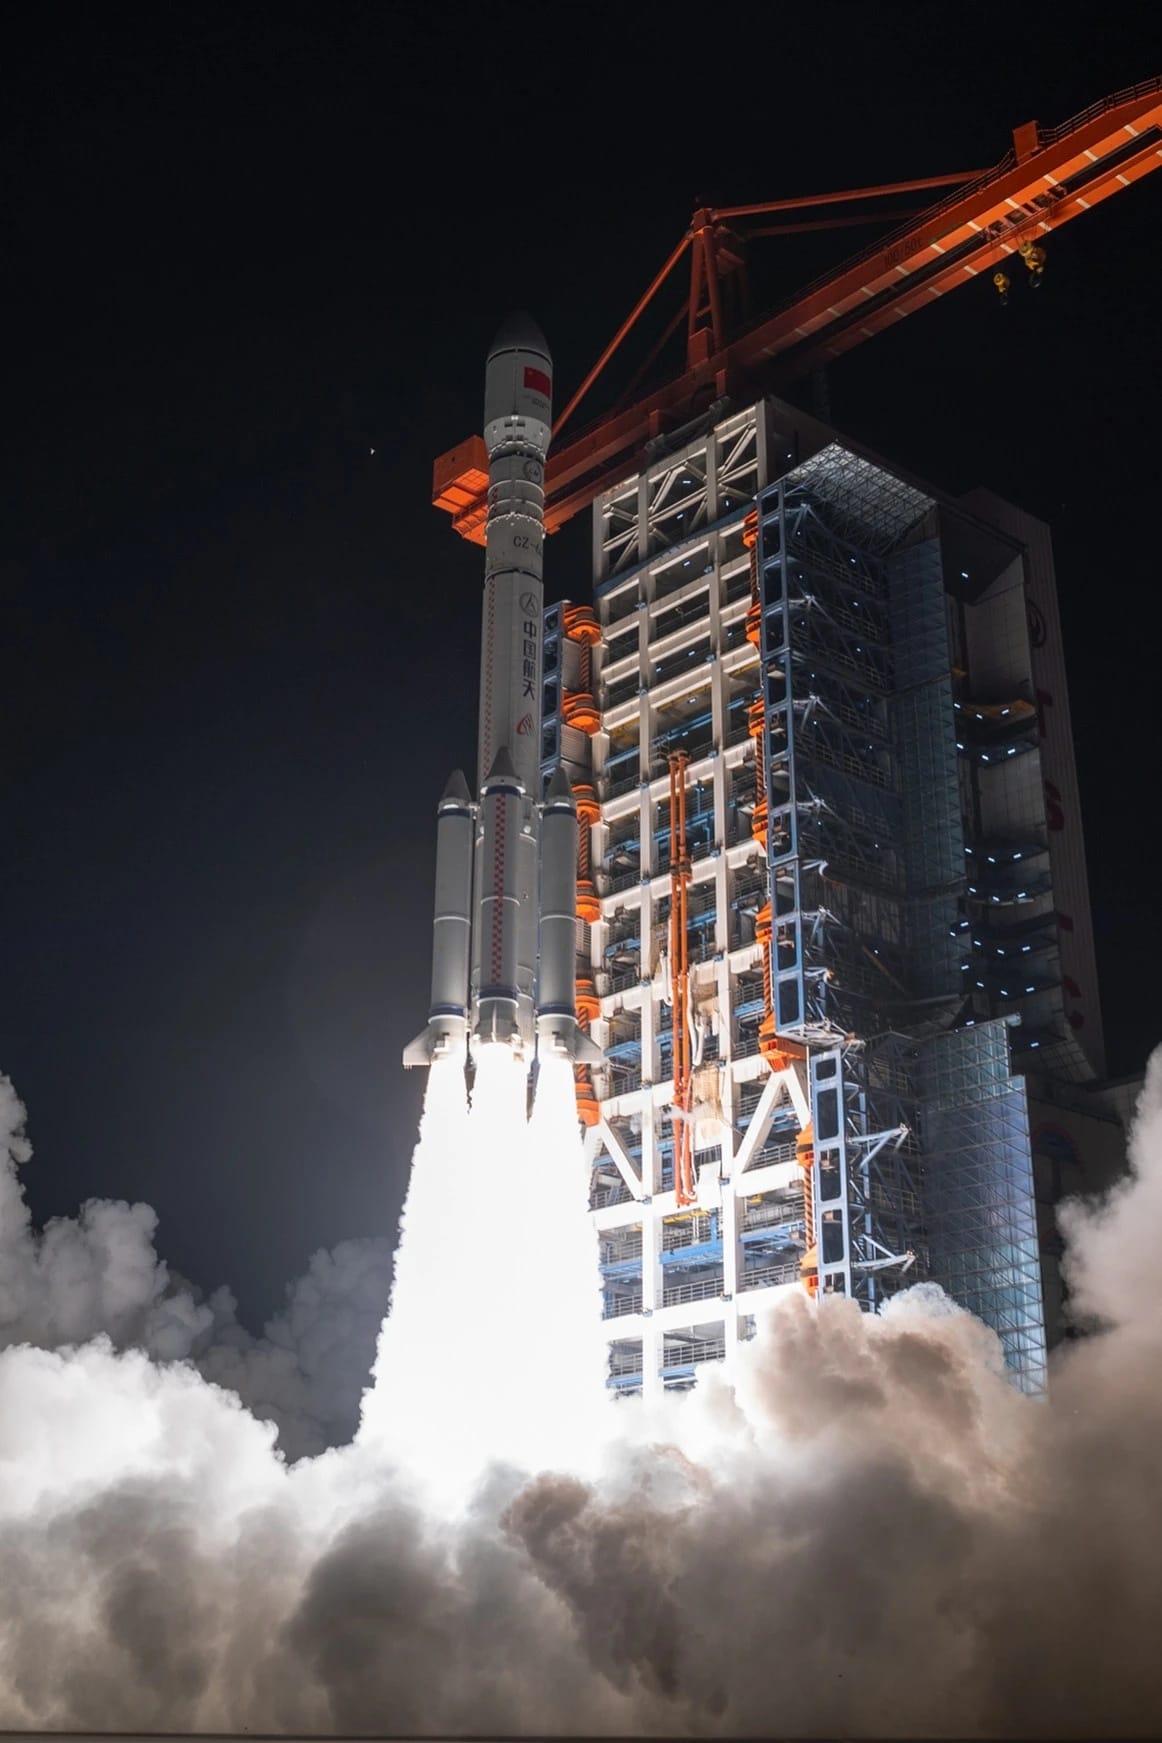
[832, 922]
[834, 934]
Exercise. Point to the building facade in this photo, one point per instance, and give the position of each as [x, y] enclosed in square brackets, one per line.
[833, 922]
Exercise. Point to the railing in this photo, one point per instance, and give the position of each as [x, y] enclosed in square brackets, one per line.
[705, 1289]
[774, 1150]
[695, 1232]
[681, 663]
[702, 898]
[703, 1350]
[885, 244]
[1145, 88]
[827, 653]
[821, 562]
[622, 1251]
[748, 882]
[622, 691]
[625, 1362]
[620, 647]
[867, 624]
[618, 1306]
[770, 1275]
[773, 1216]
[816, 749]
[902, 1202]
[672, 579]
[622, 604]
[678, 738]
[610, 789]
[678, 616]
[601, 1196]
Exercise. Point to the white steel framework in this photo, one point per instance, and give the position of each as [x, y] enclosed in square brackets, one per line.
[810, 631]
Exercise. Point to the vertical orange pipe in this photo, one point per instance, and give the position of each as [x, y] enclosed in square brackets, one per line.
[684, 1191]
[588, 910]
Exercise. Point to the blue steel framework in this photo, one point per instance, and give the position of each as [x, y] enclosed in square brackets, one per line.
[914, 953]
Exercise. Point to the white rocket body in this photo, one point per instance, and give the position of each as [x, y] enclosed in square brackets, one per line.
[503, 959]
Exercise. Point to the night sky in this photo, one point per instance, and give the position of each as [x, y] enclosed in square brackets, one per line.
[254, 259]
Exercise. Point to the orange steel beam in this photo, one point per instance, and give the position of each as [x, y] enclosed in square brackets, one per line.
[630, 321]
[684, 1187]
[703, 232]
[848, 221]
[653, 354]
[1049, 179]
[802, 200]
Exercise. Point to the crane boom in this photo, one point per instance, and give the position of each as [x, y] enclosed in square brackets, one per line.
[1048, 178]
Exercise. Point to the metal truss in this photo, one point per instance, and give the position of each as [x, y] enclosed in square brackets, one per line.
[669, 503]
[868, 505]
[867, 1203]
[876, 909]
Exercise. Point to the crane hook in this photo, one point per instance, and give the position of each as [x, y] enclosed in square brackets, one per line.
[1034, 257]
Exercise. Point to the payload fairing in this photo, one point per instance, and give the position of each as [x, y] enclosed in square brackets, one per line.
[505, 939]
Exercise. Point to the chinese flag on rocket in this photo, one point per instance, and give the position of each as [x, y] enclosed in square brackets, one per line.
[536, 381]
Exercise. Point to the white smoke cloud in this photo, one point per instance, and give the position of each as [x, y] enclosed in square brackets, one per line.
[864, 1531]
[99, 1274]
[1111, 1261]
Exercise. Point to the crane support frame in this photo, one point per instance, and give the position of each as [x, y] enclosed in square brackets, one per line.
[1048, 178]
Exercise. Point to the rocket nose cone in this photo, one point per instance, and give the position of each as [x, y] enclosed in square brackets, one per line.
[502, 769]
[519, 332]
[457, 788]
[560, 786]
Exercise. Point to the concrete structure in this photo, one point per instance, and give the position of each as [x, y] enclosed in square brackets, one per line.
[880, 884]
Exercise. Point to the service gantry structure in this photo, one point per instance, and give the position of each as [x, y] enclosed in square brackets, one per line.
[833, 922]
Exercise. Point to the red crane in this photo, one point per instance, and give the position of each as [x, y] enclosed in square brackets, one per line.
[988, 220]
[1001, 216]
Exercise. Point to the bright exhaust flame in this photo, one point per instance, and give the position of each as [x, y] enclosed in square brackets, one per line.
[492, 1351]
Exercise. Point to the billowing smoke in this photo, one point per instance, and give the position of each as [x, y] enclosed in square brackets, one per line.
[863, 1530]
[99, 1273]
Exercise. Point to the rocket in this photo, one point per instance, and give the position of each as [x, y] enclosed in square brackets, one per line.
[505, 929]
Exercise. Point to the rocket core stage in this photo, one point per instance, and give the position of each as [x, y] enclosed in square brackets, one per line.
[503, 954]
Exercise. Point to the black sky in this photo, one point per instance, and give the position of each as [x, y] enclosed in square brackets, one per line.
[246, 247]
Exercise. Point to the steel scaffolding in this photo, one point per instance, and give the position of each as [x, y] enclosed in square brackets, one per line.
[830, 908]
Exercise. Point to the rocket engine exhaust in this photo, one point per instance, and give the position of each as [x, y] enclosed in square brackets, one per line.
[504, 944]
